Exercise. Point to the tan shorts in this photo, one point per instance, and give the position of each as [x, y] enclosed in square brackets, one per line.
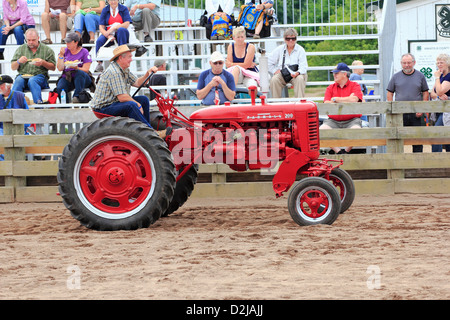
[54, 24]
[343, 124]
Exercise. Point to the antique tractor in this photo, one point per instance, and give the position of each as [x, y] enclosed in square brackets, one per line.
[117, 173]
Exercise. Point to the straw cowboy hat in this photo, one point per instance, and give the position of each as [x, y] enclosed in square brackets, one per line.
[119, 50]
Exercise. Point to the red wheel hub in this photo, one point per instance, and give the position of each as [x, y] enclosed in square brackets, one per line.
[116, 176]
[314, 204]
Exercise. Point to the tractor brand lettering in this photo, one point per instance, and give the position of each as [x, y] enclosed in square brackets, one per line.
[264, 116]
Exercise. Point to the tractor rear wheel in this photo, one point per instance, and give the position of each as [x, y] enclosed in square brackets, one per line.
[344, 184]
[314, 200]
[116, 174]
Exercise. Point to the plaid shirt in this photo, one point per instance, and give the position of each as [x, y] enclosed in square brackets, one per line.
[113, 82]
[44, 52]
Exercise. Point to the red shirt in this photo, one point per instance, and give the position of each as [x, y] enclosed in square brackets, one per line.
[335, 90]
[112, 20]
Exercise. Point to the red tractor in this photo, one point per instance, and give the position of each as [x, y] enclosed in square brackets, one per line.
[116, 173]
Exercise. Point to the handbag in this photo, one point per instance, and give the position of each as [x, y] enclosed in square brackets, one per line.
[132, 35]
[106, 53]
[84, 96]
[285, 72]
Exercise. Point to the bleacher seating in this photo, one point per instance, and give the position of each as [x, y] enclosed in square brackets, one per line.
[187, 58]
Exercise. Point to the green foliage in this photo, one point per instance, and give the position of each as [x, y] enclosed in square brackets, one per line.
[331, 60]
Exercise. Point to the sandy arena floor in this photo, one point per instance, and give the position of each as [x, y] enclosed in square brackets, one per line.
[383, 247]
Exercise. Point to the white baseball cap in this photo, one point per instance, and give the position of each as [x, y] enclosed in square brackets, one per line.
[217, 56]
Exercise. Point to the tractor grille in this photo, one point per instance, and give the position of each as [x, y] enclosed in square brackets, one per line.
[313, 129]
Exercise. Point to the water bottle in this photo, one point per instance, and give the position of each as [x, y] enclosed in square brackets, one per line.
[63, 97]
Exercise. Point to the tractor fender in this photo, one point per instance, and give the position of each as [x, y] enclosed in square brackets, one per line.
[287, 172]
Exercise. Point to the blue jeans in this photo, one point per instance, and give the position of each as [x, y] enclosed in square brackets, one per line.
[91, 22]
[122, 35]
[439, 147]
[80, 81]
[19, 33]
[130, 109]
[35, 84]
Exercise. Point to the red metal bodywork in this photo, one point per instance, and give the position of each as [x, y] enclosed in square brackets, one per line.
[250, 136]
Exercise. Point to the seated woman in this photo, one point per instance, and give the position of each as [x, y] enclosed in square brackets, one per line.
[17, 19]
[219, 17]
[114, 22]
[74, 76]
[241, 60]
[87, 15]
[256, 18]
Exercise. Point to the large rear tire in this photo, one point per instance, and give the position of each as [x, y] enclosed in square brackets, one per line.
[343, 182]
[116, 174]
[314, 200]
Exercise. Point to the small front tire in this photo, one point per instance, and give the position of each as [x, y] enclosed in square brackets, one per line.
[314, 200]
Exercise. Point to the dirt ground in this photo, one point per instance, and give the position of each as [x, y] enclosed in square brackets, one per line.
[383, 247]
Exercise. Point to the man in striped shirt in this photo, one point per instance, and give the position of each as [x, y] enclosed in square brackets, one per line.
[112, 95]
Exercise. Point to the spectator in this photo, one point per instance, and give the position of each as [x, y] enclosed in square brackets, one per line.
[256, 16]
[219, 13]
[114, 22]
[341, 91]
[112, 96]
[33, 60]
[74, 77]
[356, 75]
[87, 15]
[10, 100]
[288, 64]
[216, 85]
[158, 79]
[145, 15]
[441, 91]
[56, 16]
[446, 119]
[409, 85]
[17, 19]
[241, 60]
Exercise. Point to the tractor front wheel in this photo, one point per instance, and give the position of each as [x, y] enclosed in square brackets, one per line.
[314, 200]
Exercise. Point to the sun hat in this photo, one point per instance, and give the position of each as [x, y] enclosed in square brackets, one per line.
[120, 50]
[217, 56]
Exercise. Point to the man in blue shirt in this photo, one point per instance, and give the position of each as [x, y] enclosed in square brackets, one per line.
[10, 99]
[216, 85]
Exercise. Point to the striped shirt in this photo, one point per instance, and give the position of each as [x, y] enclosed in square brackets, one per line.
[113, 82]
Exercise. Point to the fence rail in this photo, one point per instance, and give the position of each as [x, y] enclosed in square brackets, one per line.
[16, 171]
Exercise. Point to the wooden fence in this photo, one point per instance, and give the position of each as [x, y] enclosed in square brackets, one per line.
[391, 172]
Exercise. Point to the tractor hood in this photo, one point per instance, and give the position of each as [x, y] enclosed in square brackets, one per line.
[252, 113]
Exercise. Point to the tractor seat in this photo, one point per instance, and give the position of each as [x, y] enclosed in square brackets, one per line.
[101, 115]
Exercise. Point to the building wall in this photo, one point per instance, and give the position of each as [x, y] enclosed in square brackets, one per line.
[416, 20]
